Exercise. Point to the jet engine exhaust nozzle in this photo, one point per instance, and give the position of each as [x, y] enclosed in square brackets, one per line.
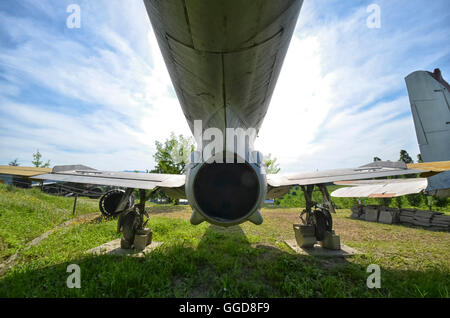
[226, 193]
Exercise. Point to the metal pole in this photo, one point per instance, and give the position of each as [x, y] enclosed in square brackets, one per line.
[75, 204]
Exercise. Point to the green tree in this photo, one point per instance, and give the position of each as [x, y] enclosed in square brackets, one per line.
[398, 202]
[419, 158]
[415, 199]
[272, 166]
[172, 155]
[441, 202]
[14, 163]
[431, 201]
[405, 157]
[384, 201]
[376, 159]
[37, 161]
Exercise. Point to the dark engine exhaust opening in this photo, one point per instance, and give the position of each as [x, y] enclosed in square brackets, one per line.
[226, 191]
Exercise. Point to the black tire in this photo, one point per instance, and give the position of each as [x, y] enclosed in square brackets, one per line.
[329, 220]
[110, 200]
[320, 224]
[323, 223]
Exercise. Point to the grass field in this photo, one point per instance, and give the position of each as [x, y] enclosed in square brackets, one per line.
[208, 261]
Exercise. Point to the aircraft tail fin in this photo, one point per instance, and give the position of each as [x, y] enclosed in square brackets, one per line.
[429, 95]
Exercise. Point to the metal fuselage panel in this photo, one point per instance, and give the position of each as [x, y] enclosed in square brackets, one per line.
[430, 106]
[224, 56]
[431, 113]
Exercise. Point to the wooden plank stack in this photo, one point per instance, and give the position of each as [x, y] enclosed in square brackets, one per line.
[407, 216]
[440, 222]
[431, 220]
[423, 218]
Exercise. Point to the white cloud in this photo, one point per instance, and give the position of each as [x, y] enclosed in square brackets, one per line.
[341, 98]
[131, 96]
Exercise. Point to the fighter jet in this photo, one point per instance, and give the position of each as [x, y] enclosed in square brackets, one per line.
[224, 58]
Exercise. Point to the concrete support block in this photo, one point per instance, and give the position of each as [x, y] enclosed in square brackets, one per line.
[305, 235]
[356, 211]
[124, 244]
[331, 241]
[140, 242]
[371, 214]
[386, 217]
[147, 232]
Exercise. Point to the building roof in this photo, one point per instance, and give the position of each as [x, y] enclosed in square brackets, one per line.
[23, 171]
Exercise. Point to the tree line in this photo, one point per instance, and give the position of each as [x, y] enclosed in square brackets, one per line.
[37, 162]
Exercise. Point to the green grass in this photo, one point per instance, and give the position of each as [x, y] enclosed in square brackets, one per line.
[25, 214]
[208, 261]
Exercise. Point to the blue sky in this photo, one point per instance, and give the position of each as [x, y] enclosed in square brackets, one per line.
[100, 95]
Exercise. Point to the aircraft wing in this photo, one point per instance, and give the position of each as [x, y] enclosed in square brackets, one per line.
[83, 174]
[387, 188]
[279, 184]
[373, 170]
[432, 168]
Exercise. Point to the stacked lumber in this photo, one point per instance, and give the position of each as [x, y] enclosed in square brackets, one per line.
[423, 218]
[430, 220]
[407, 216]
[440, 222]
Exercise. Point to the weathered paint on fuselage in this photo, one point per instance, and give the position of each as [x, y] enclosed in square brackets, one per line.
[224, 56]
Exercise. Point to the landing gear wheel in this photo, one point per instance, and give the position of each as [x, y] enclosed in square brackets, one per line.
[322, 223]
[328, 219]
[110, 200]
